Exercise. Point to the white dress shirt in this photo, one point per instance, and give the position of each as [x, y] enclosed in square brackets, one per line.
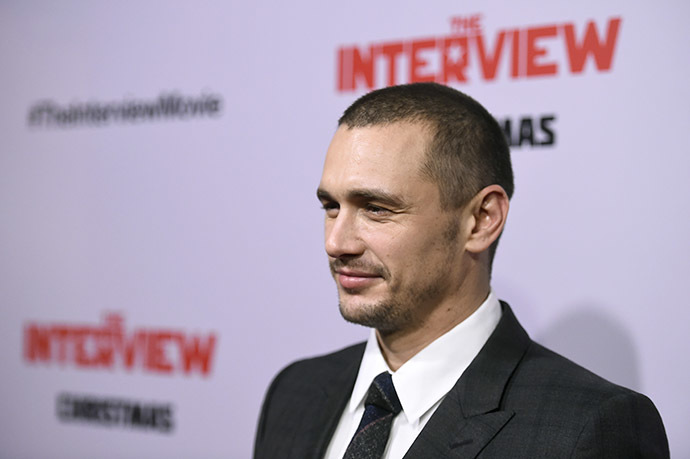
[421, 383]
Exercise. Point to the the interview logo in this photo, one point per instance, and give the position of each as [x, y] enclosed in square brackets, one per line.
[111, 346]
[468, 53]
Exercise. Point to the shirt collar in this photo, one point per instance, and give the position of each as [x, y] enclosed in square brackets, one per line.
[432, 372]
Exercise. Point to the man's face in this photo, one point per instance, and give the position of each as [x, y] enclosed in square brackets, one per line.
[394, 253]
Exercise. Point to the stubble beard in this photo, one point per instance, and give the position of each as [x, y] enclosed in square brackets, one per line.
[405, 308]
[395, 313]
[386, 316]
[382, 315]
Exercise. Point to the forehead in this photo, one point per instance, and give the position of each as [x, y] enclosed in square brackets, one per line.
[375, 156]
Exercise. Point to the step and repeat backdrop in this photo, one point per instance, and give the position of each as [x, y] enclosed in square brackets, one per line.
[161, 244]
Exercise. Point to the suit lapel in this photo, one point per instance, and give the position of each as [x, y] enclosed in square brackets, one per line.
[471, 415]
[317, 424]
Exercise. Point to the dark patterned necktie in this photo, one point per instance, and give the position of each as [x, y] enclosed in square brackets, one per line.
[380, 407]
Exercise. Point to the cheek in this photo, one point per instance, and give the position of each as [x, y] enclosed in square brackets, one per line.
[388, 246]
[405, 257]
[429, 253]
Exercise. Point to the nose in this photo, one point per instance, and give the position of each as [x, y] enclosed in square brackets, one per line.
[342, 235]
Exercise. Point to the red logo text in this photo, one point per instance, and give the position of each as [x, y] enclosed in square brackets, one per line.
[468, 54]
[109, 345]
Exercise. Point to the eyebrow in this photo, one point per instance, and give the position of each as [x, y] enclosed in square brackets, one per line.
[365, 194]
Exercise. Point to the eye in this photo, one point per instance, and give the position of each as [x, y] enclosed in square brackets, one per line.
[377, 210]
[331, 208]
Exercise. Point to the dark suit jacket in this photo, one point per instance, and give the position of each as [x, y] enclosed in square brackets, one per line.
[517, 399]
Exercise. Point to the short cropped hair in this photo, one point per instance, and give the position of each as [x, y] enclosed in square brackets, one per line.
[468, 150]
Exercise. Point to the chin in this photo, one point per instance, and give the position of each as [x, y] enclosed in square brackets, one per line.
[381, 315]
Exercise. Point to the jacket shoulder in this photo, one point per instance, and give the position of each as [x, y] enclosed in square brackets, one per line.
[543, 361]
[596, 418]
[542, 367]
[313, 370]
[303, 400]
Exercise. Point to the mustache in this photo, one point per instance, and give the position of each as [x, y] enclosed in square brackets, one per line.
[359, 265]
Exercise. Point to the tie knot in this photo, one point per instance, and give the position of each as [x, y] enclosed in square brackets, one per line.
[382, 394]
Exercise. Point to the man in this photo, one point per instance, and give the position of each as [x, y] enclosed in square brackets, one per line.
[415, 188]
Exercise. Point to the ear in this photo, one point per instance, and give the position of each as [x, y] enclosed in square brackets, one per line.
[488, 211]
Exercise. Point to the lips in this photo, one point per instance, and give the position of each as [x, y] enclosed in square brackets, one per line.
[353, 280]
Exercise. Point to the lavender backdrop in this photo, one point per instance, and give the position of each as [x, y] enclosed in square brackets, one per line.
[203, 221]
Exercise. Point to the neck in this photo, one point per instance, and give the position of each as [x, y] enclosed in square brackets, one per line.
[399, 346]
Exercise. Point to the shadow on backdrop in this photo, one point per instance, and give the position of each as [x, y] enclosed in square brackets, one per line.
[598, 342]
